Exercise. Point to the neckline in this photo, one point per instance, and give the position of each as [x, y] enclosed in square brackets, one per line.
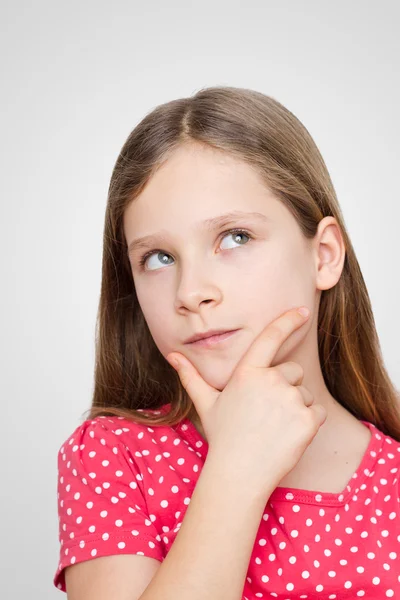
[297, 495]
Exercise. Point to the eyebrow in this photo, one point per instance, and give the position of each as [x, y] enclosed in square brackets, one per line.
[208, 224]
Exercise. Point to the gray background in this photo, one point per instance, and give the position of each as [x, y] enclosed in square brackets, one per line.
[76, 77]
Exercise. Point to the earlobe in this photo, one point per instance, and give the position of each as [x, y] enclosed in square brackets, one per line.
[330, 253]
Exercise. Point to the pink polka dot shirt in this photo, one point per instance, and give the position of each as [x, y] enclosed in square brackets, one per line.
[124, 488]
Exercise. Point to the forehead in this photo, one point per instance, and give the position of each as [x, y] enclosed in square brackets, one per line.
[194, 184]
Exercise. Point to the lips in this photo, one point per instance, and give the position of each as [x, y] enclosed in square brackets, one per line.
[214, 340]
[207, 334]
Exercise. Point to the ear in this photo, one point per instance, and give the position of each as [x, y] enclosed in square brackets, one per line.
[330, 253]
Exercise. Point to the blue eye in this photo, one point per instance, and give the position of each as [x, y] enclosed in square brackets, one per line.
[144, 257]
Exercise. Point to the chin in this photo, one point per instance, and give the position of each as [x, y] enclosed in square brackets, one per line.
[216, 381]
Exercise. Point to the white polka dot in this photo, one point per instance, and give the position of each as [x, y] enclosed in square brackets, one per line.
[290, 587]
[348, 585]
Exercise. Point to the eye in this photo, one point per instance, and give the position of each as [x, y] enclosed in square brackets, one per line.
[237, 233]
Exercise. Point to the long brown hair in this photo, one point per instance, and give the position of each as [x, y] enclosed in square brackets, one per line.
[132, 378]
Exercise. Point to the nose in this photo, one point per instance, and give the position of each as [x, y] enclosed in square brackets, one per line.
[196, 287]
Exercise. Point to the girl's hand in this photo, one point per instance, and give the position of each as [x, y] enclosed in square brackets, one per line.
[260, 425]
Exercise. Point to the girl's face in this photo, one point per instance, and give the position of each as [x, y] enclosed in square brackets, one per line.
[201, 277]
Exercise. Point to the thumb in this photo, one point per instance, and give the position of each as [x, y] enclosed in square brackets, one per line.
[201, 393]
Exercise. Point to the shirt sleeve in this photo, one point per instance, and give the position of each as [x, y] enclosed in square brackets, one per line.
[101, 504]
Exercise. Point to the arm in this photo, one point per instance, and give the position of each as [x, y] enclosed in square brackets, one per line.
[210, 556]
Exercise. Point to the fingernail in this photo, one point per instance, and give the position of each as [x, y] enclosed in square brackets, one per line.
[304, 311]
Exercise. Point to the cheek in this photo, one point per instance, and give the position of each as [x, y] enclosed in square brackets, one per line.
[289, 283]
[275, 282]
[157, 314]
[281, 281]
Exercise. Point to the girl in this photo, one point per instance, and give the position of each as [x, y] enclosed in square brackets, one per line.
[282, 432]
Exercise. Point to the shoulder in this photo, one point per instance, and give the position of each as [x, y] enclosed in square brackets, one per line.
[90, 429]
[88, 443]
[383, 462]
[141, 447]
[108, 432]
[93, 462]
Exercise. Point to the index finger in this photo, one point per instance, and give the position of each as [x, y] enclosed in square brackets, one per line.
[266, 345]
